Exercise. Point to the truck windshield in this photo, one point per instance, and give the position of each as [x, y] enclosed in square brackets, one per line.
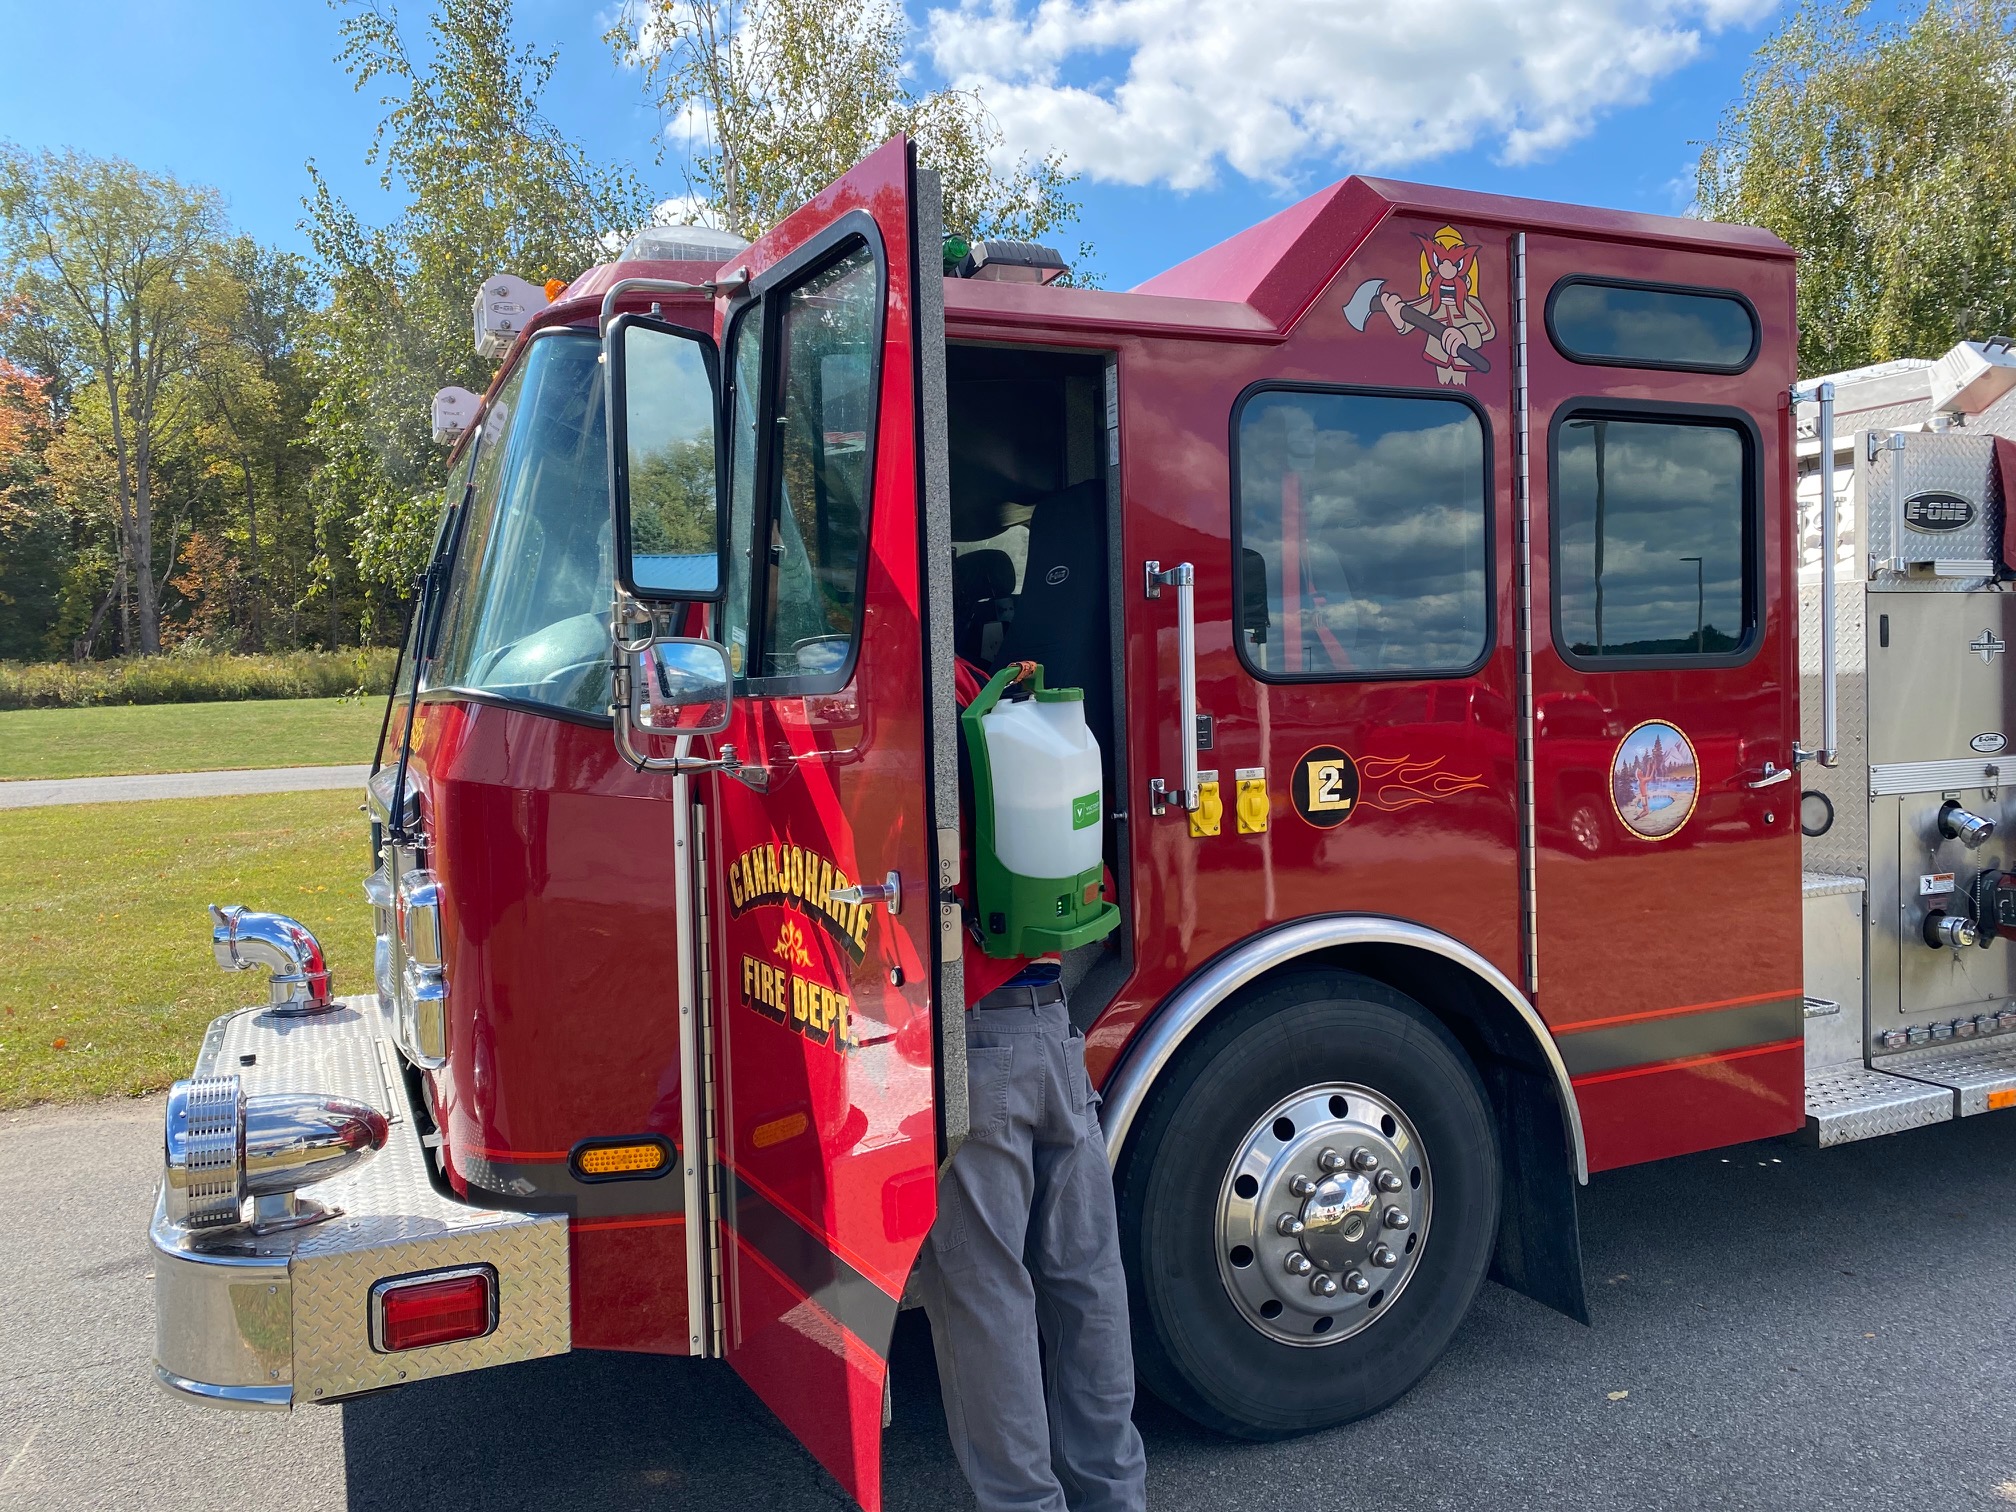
[526, 616]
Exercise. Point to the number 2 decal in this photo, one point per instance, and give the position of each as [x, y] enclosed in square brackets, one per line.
[1325, 786]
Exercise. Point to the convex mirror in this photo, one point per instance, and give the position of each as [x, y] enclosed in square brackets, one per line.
[663, 459]
[680, 686]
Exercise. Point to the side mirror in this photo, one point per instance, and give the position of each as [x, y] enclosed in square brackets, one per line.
[664, 463]
[680, 686]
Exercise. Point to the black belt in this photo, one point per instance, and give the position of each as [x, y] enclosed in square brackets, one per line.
[1023, 995]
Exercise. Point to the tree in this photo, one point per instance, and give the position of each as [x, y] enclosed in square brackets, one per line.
[1886, 153]
[104, 254]
[491, 186]
[768, 101]
[255, 397]
[32, 534]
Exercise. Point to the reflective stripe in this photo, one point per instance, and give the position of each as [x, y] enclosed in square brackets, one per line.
[1679, 1036]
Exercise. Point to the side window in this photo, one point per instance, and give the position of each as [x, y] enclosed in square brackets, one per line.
[528, 606]
[1620, 324]
[826, 341]
[1654, 545]
[1363, 528]
[744, 372]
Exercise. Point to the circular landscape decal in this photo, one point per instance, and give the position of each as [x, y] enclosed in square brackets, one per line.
[1654, 780]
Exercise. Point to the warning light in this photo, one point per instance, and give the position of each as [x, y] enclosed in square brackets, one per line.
[439, 1307]
[634, 1157]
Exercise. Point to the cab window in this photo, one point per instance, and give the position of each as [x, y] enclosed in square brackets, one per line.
[1362, 534]
[526, 616]
[1655, 554]
[801, 480]
[1620, 324]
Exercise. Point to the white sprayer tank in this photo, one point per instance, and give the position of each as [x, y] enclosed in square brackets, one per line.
[1047, 785]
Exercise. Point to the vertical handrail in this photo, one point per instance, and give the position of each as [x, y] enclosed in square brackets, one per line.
[692, 1062]
[1183, 578]
[1829, 734]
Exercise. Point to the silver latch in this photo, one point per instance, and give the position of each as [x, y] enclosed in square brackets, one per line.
[888, 892]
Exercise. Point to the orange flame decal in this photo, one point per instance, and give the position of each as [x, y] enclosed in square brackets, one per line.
[1393, 783]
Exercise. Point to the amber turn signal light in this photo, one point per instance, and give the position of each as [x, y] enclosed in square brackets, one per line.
[438, 1307]
[616, 1159]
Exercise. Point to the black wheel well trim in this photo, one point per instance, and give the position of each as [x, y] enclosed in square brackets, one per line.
[1370, 943]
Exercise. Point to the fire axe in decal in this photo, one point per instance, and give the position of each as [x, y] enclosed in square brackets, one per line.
[1360, 306]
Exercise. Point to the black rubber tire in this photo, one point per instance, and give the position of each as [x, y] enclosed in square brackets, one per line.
[1192, 1347]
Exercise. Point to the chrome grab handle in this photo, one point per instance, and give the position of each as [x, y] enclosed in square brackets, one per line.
[1772, 776]
[1183, 578]
[889, 890]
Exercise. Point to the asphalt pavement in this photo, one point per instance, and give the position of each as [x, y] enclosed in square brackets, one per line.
[40, 792]
[1775, 1328]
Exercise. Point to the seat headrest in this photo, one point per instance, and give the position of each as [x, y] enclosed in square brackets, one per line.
[987, 574]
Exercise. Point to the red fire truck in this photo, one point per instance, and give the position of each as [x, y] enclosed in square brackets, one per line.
[1430, 566]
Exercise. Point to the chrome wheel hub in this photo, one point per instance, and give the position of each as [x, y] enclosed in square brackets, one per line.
[1323, 1214]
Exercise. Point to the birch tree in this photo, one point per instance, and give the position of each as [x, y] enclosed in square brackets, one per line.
[104, 254]
[1885, 151]
[764, 102]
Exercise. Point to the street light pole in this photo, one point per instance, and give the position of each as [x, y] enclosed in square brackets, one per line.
[1700, 592]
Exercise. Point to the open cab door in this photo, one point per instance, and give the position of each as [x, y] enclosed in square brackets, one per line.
[817, 845]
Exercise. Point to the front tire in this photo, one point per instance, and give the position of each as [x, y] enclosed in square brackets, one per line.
[1307, 1207]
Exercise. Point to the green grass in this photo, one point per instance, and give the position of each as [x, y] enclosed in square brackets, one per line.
[106, 978]
[186, 676]
[202, 737]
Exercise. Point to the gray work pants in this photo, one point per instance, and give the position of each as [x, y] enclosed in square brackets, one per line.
[1021, 1277]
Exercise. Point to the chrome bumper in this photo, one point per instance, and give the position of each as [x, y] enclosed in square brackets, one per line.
[251, 1320]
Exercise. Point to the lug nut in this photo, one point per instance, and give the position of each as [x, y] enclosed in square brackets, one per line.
[1323, 1285]
[1330, 1160]
[1389, 1181]
[1396, 1218]
[1383, 1257]
[1356, 1284]
[1288, 1224]
[1299, 1264]
[1301, 1185]
[1364, 1159]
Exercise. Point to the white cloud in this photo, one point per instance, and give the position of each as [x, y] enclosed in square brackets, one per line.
[1167, 91]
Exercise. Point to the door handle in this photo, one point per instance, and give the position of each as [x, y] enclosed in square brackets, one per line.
[1771, 778]
[888, 891]
[1183, 578]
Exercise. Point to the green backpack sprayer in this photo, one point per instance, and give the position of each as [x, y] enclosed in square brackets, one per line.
[1038, 802]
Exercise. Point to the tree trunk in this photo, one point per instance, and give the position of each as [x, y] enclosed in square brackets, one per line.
[148, 596]
[252, 576]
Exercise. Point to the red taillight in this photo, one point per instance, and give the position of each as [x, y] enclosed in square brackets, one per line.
[442, 1308]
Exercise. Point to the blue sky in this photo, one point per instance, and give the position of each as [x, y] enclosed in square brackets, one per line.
[1606, 112]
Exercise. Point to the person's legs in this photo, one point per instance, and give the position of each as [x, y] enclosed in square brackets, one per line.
[1081, 1291]
[975, 1288]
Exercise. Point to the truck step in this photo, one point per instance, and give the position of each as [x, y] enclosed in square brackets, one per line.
[1846, 1103]
[1974, 1074]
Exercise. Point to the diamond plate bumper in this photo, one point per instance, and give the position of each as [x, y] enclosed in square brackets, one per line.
[1846, 1103]
[268, 1321]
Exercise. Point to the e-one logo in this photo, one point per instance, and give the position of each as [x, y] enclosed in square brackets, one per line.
[1937, 513]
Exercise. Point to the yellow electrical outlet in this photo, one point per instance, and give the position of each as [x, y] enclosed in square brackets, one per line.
[1209, 816]
[1250, 801]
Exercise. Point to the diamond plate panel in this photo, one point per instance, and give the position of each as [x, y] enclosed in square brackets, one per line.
[393, 1220]
[1844, 849]
[1972, 1073]
[1847, 1103]
[1951, 463]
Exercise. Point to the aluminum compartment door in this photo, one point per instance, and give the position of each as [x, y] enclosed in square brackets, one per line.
[1666, 686]
[823, 1001]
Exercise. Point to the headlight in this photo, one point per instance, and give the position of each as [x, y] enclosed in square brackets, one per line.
[221, 1147]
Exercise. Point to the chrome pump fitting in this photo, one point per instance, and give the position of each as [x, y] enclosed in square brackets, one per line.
[1971, 830]
[1943, 929]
